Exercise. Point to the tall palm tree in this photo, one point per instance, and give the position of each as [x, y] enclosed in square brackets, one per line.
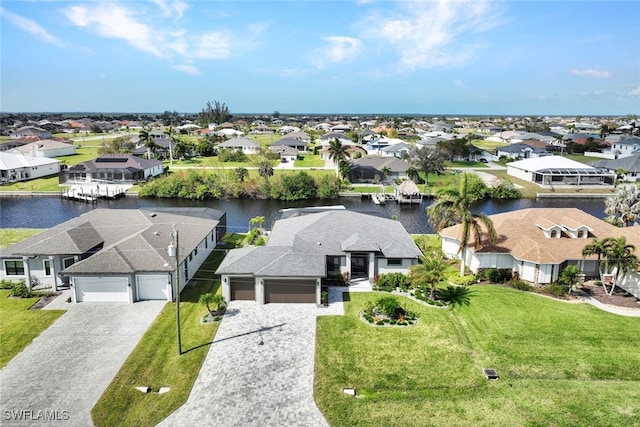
[413, 174]
[338, 152]
[599, 248]
[171, 136]
[147, 140]
[453, 206]
[620, 258]
[430, 270]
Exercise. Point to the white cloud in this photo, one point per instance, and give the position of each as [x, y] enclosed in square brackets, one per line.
[30, 26]
[431, 34]
[169, 8]
[590, 72]
[187, 68]
[215, 45]
[458, 83]
[338, 49]
[117, 22]
[634, 92]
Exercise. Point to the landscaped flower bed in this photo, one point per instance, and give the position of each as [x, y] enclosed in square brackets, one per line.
[387, 311]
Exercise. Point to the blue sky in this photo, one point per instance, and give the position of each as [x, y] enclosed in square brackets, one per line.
[366, 57]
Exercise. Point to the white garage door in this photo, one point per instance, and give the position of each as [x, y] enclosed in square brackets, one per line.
[152, 286]
[102, 289]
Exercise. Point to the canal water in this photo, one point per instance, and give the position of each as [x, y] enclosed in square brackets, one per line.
[46, 212]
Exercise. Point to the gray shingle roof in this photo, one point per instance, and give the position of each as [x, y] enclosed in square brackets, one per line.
[298, 245]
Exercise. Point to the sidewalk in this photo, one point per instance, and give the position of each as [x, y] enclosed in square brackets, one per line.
[622, 311]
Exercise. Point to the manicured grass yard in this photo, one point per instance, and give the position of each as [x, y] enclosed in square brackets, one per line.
[309, 161]
[559, 364]
[21, 325]
[9, 236]
[155, 361]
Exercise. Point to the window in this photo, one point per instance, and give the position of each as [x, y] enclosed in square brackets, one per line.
[554, 233]
[68, 262]
[14, 268]
[581, 234]
[394, 261]
[47, 267]
[333, 263]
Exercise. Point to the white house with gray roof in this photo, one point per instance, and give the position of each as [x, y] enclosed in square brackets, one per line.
[117, 255]
[310, 246]
[246, 145]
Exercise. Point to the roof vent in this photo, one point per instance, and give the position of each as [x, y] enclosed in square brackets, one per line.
[152, 215]
[157, 233]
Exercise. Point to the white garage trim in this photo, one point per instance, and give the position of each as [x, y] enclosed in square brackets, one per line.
[153, 287]
[102, 289]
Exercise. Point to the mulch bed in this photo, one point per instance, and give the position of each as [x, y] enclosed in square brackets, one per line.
[43, 301]
[619, 298]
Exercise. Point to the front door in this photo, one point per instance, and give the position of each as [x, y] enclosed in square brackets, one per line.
[360, 265]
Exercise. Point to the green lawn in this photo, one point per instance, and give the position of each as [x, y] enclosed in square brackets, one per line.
[465, 164]
[20, 325]
[155, 361]
[309, 161]
[560, 364]
[9, 236]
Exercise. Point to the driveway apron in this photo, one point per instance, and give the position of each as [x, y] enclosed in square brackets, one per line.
[259, 370]
[60, 376]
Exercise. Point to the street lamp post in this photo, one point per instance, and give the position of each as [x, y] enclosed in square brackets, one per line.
[173, 251]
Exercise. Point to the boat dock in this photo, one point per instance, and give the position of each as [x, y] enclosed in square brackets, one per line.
[92, 192]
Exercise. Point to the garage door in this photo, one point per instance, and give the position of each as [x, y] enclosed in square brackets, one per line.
[153, 286]
[291, 291]
[102, 289]
[243, 288]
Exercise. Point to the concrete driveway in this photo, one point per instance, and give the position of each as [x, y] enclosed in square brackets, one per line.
[60, 376]
[259, 370]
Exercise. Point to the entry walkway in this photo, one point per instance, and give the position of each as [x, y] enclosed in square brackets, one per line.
[622, 311]
[259, 370]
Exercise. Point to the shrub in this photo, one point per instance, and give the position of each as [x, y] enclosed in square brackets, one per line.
[519, 284]
[388, 305]
[557, 289]
[499, 275]
[20, 290]
[6, 284]
[467, 280]
[390, 281]
[455, 295]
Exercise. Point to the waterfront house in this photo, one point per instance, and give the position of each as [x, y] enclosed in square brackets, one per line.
[45, 148]
[309, 246]
[630, 165]
[117, 255]
[371, 169]
[557, 171]
[114, 168]
[19, 167]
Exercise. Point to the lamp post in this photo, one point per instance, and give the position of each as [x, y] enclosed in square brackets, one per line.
[173, 251]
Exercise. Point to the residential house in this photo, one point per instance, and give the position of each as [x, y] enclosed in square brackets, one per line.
[626, 147]
[328, 137]
[310, 246]
[19, 167]
[554, 171]
[117, 255]
[114, 168]
[287, 154]
[374, 146]
[526, 150]
[30, 131]
[629, 164]
[45, 148]
[246, 145]
[371, 169]
[399, 150]
[298, 144]
[538, 243]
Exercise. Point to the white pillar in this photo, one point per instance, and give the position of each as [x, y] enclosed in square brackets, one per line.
[372, 266]
[318, 291]
[226, 288]
[260, 297]
[27, 271]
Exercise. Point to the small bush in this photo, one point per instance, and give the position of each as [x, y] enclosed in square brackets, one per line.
[519, 284]
[499, 275]
[6, 284]
[20, 290]
[467, 280]
[557, 290]
[388, 305]
[390, 281]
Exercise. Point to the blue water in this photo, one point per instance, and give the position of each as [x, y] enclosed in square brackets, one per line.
[46, 212]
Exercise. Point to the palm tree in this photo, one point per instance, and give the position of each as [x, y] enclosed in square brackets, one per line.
[171, 136]
[241, 173]
[597, 247]
[344, 167]
[337, 152]
[413, 174]
[386, 171]
[625, 204]
[453, 206]
[621, 258]
[147, 140]
[429, 270]
[265, 168]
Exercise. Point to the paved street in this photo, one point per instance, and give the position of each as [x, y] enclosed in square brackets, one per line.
[66, 369]
[259, 370]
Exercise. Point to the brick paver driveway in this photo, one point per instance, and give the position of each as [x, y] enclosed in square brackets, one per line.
[259, 370]
[60, 376]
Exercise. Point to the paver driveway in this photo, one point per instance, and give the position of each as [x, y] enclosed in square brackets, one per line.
[66, 369]
[259, 370]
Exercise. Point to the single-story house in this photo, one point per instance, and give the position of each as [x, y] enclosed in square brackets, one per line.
[554, 171]
[310, 246]
[370, 169]
[400, 150]
[538, 243]
[18, 167]
[46, 148]
[326, 139]
[526, 150]
[629, 164]
[30, 131]
[116, 168]
[375, 146]
[298, 144]
[117, 255]
[246, 145]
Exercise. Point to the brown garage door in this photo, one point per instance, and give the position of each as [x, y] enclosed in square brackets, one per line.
[283, 290]
[243, 288]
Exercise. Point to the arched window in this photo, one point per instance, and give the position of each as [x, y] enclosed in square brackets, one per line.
[580, 234]
[554, 233]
